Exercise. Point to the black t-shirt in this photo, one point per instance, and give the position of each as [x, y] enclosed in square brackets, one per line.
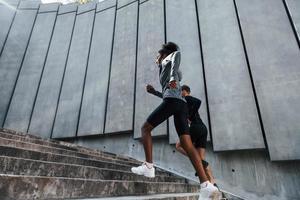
[193, 106]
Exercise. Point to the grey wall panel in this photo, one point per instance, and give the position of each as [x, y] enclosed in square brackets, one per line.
[6, 19]
[151, 36]
[105, 4]
[67, 8]
[22, 103]
[49, 7]
[121, 87]
[274, 59]
[12, 56]
[124, 2]
[294, 9]
[86, 7]
[178, 13]
[95, 91]
[48, 94]
[70, 99]
[29, 4]
[233, 114]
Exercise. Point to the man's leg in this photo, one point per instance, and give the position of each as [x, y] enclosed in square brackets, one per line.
[201, 152]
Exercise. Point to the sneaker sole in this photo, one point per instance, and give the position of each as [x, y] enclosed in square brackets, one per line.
[216, 196]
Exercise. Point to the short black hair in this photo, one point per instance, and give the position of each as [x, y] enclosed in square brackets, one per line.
[186, 88]
[168, 48]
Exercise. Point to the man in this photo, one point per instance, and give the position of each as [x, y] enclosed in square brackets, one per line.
[173, 104]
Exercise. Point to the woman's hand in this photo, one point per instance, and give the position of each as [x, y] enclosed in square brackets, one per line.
[150, 89]
[172, 84]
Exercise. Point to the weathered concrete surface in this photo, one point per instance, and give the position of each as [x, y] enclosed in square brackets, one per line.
[22, 103]
[233, 114]
[46, 187]
[12, 56]
[274, 60]
[6, 19]
[67, 8]
[294, 9]
[105, 5]
[49, 7]
[182, 28]
[28, 167]
[70, 98]
[95, 90]
[151, 20]
[119, 116]
[48, 94]
[248, 174]
[122, 3]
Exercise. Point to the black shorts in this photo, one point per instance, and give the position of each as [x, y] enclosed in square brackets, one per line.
[198, 132]
[169, 107]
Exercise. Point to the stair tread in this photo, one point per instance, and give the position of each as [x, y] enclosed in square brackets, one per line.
[20, 166]
[142, 197]
[62, 145]
[55, 150]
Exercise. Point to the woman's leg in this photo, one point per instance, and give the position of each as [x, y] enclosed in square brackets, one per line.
[147, 141]
[186, 143]
[160, 114]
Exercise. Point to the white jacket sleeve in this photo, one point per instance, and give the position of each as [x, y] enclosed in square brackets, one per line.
[175, 66]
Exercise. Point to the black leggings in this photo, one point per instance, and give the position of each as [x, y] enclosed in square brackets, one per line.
[169, 107]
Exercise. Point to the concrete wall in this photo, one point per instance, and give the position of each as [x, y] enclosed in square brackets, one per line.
[69, 71]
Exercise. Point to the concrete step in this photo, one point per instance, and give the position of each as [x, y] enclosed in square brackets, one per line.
[58, 158]
[33, 187]
[55, 150]
[169, 196]
[29, 167]
[17, 136]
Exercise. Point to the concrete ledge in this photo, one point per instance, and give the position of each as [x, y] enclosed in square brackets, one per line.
[86, 7]
[67, 8]
[29, 5]
[49, 7]
[105, 5]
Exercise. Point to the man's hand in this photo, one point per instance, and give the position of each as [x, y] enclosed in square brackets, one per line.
[150, 89]
[173, 84]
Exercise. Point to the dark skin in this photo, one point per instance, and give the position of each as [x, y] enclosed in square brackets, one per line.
[185, 140]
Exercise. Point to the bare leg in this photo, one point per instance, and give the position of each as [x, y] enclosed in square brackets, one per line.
[147, 141]
[208, 171]
[180, 149]
[186, 143]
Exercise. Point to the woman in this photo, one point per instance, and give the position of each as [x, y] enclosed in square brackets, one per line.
[173, 104]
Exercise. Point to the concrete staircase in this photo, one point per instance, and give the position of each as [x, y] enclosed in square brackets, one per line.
[34, 168]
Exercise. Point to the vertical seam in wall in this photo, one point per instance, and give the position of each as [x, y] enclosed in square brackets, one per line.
[136, 55]
[165, 38]
[286, 6]
[39, 84]
[20, 68]
[110, 65]
[6, 37]
[251, 77]
[203, 71]
[63, 77]
[86, 70]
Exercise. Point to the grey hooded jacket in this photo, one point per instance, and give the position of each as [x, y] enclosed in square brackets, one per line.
[169, 71]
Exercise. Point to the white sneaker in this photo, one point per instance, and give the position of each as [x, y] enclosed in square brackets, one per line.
[144, 170]
[209, 192]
